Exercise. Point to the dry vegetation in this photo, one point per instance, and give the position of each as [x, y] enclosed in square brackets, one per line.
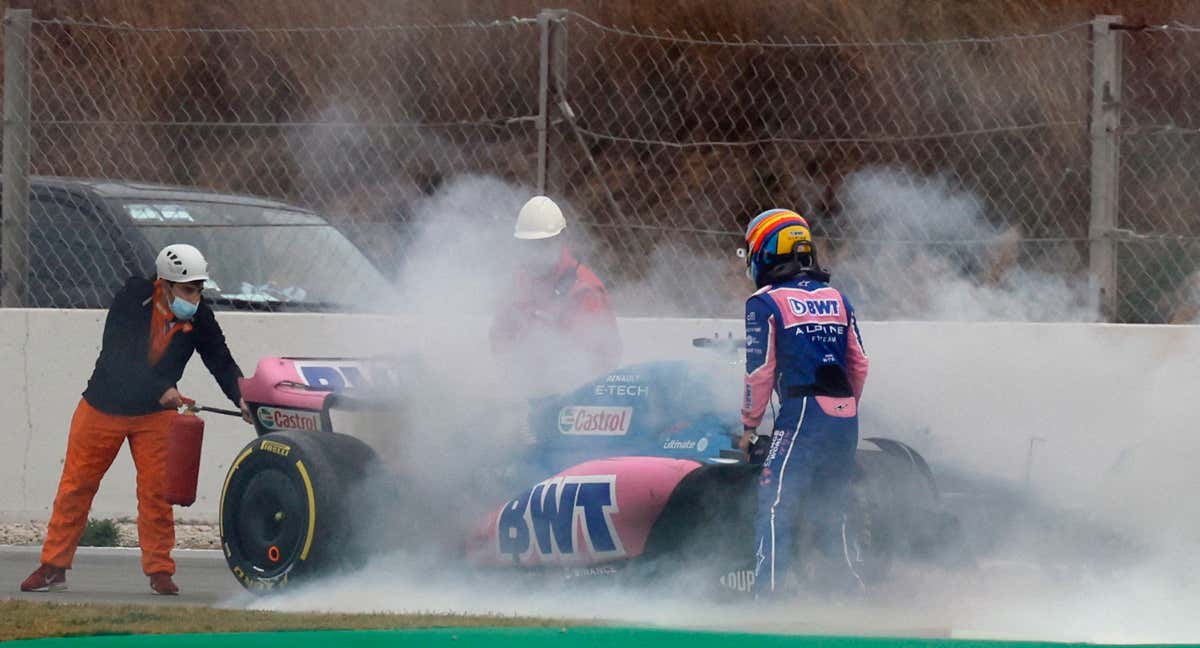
[94, 82]
[30, 620]
[844, 20]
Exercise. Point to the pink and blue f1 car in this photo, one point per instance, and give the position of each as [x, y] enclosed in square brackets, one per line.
[631, 476]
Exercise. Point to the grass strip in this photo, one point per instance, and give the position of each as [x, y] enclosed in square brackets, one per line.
[527, 637]
[21, 619]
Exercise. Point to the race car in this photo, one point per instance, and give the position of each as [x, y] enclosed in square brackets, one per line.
[634, 475]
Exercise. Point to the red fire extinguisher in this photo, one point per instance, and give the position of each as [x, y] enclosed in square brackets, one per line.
[184, 442]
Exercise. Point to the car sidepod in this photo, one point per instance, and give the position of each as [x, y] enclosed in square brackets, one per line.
[594, 513]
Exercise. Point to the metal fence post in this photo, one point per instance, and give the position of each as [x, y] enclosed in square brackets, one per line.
[558, 79]
[551, 61]
[558, 50]
[14, 253]
[543, 116]
[1105, 123]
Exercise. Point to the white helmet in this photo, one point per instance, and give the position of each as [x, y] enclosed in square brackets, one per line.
[181, 263]
[540, 218]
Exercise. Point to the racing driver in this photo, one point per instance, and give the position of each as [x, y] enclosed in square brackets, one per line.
[803, 344]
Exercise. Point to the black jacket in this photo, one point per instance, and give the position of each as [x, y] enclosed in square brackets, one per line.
[124, 383]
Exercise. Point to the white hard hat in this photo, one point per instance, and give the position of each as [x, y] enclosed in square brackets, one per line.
[181, 263]
[540, 218]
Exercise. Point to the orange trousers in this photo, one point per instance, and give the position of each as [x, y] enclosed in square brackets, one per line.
[94, 441]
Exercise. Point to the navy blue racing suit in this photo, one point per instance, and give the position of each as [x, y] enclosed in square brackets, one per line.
[802, 343]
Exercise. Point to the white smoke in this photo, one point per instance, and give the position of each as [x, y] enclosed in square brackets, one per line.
[460, 417]
[1186, 310]
[924, 250]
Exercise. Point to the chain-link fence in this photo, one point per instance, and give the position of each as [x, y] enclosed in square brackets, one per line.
[1159, 182]
[946, 179]
[924, 167]
[358, 125]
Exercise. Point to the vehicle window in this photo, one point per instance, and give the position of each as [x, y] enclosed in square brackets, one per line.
[262, 255]
[77, 258]
[214, 214]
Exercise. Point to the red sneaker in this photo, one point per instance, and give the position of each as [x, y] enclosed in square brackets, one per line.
[161, 583]
[46, 579]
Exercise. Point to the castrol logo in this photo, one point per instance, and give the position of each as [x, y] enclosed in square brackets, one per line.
[274, 418]
[594, 421]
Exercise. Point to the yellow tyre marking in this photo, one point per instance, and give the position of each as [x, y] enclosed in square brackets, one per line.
[229, 476]
[312, 510]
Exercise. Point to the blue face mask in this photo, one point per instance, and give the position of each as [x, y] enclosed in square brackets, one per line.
[183, 309]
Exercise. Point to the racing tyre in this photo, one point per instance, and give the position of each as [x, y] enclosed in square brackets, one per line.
[869, 540]
[293, 507]
[894, 504]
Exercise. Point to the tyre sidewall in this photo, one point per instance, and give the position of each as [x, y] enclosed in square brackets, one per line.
[301, 458]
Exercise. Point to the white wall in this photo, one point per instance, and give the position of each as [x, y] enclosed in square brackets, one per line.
[967, 394]
[46, 357]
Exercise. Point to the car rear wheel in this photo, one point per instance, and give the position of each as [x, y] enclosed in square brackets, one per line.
[895, 507]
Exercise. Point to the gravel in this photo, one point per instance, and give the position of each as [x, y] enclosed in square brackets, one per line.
[188, 535]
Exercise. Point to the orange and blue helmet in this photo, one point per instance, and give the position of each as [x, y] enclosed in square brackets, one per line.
[775, 236]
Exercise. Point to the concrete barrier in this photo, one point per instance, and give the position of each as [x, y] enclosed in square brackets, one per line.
[46, 357]
[1084, 415]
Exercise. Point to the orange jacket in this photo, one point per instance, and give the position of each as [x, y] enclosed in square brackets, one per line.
[124, 382]
[567, 311]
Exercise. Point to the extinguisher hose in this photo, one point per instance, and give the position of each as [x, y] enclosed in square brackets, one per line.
[217, 410]
[191, 405]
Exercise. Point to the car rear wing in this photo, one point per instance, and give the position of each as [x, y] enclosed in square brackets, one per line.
[297, 393]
